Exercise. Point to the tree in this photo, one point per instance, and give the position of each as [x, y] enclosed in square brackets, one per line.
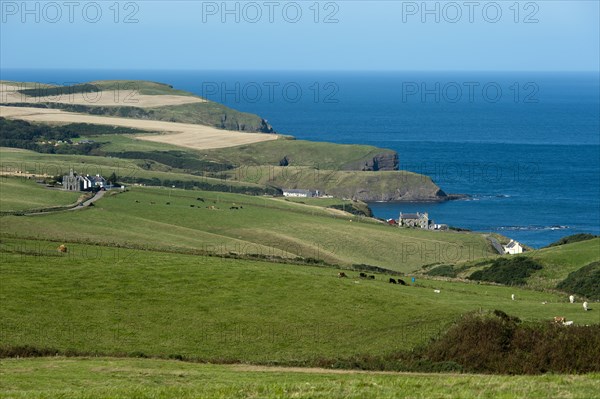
[112, 179]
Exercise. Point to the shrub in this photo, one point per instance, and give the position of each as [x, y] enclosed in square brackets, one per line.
[498, 343]
[572, 238]
[509, 271]
[584, 282]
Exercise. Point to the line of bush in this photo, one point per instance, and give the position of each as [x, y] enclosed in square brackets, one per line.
[508, 271]
[584, 282]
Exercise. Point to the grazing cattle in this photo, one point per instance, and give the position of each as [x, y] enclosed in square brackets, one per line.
[200, 199]
[62, 248]
[512, 297]
[585, 306]
[342, 275]
[437, 291]
[392, 281]
[137, 202]
[168, 203]
[401, 282]
[192, 206]
[362, 275]
[151, 202]
[371, 277]
[572, 298]
[560, 320]
[234, 207]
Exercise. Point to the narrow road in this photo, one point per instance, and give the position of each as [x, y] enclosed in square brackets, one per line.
[82, 205]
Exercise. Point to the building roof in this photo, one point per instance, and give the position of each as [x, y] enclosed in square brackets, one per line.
[297, 191]
[410, 216]
[512, 244]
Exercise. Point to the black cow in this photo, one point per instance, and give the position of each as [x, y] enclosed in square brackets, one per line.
[371, 277]
[401, 282]
[392, 281]
[342, 275]
[200, 199]
[363, 275]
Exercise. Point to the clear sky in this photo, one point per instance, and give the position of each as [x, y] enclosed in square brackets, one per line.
[303, 35]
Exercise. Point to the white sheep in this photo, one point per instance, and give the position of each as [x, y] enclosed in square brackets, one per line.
[568, 323]
[585, 306]
[572, 298]
[437, 291]
[512, 297]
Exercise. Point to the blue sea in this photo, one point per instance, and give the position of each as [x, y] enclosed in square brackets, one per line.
[525, 146]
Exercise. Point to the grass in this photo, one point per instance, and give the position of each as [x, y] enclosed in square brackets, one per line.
[115, 301]
[18, 194]
[319, 155]
[262, 225]
[146, 378]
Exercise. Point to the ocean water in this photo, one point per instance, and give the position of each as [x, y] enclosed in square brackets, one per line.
[525, 146]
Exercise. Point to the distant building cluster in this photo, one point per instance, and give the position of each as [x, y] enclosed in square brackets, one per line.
[75, 182]
[299, 193]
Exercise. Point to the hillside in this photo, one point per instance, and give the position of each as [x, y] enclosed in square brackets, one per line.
[133, 99]
[162, 129]
[197, 221]
[113, 301]
[554, 264]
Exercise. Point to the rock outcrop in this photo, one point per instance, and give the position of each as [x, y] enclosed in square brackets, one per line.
[385, 160]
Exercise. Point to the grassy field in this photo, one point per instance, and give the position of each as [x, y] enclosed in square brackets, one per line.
[21, 194]
[299, 153]
[262, 225]
[557, 262]
[561, 260]
[116, 301]
[144, 378]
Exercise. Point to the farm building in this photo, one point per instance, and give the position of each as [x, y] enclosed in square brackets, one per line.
[75, 182]
[300, 193]
[419, 220]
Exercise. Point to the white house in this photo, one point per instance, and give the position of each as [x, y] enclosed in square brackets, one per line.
[300, 193]
[513, 248]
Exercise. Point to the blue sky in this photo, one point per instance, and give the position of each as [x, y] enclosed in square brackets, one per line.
[282, 35]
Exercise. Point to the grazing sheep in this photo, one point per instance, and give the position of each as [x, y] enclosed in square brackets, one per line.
[437, 291]
[585, 306]
[572, 298]
[512, 297]
[342, 275]
[568, 323]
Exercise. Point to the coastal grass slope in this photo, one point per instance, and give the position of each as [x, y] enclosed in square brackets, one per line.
[192, 219]
[132, 99]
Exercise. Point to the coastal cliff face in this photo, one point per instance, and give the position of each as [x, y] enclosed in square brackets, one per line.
[385, 160]
[367, 186]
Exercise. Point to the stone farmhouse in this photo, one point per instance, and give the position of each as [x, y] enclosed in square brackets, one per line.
[75, 182]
